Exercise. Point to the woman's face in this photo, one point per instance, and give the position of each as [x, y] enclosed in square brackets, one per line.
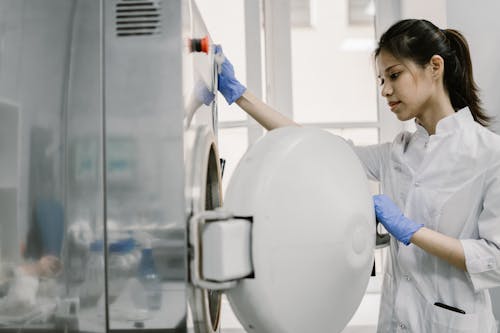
[407, 86]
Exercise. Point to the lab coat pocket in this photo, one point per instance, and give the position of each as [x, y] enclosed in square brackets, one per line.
[446, 321]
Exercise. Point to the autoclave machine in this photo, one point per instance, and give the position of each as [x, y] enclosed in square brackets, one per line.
[110, 185]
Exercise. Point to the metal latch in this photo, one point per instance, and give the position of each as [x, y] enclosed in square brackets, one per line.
[381, 239]
[220, 249]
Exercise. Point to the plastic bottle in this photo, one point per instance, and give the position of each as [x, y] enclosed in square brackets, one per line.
[93, 285]
[122, 264]
[149, 296]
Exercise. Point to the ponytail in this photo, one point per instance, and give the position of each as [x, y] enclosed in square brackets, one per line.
[458, 78]
[419, 40]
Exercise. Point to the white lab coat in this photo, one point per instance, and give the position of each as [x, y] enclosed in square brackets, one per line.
[450, 182]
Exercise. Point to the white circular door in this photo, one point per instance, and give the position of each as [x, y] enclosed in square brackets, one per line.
[313, 232]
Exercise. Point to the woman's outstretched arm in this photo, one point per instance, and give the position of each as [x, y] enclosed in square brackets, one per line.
[265, 115]
[234, 91]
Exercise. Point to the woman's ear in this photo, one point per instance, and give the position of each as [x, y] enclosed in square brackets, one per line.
[437, 66]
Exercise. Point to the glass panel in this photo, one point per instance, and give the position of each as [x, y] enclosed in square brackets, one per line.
[333, 70]
[233, 144]
[51, 191]
[232, 41]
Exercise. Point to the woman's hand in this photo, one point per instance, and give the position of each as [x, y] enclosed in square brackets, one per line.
[47, 266]
[229, 86]
[393, 219]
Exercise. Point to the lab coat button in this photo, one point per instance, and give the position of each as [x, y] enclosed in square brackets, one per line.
[402, 326]
[417, 184]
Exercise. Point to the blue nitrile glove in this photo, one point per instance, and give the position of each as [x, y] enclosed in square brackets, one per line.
[229, 86]
[393, 219]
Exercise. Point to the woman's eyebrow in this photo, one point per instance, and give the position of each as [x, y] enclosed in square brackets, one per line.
[388, 69]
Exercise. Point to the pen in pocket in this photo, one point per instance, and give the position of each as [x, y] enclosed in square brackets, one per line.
[448, 307]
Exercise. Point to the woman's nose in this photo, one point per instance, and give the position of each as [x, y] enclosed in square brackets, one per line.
[386, 90]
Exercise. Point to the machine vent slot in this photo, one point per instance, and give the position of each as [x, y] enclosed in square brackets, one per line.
[138, 18]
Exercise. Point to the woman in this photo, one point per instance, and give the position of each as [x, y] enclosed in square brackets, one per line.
[441, 184]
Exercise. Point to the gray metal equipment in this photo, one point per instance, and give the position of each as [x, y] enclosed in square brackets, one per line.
[107, 147]
[110, 186]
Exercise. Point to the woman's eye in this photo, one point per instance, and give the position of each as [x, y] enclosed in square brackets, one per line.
[394, 76]
[381, 81]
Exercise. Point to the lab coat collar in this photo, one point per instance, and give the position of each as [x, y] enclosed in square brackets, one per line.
[450, 123]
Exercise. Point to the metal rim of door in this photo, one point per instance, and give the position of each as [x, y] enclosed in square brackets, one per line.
[204, 193]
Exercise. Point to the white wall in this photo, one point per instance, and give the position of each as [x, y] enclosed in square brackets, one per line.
[480, 24]
[431, 10]
[333, 82]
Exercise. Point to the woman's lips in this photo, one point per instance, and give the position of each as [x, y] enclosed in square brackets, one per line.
[393, 105]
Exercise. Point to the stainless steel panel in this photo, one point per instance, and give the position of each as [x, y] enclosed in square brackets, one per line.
[144, 157]
[50, 72]
[93, 99]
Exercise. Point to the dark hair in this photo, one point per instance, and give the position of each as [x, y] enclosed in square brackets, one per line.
[419, 40]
